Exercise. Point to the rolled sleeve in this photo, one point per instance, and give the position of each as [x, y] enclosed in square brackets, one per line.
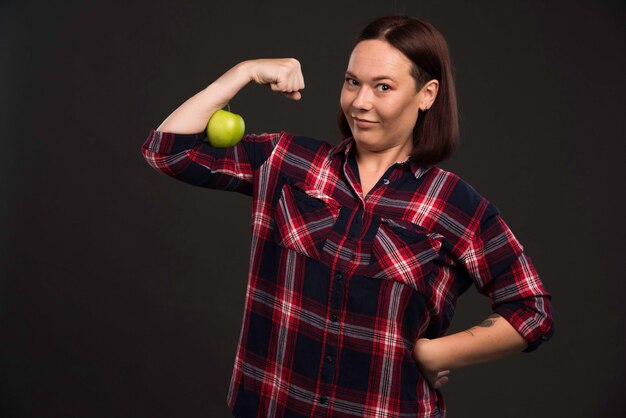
[502, 271]
[191, 159]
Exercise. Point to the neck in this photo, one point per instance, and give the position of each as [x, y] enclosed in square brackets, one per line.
[377, 161]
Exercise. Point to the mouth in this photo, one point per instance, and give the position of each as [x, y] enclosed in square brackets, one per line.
[363, 123]
[362, 120]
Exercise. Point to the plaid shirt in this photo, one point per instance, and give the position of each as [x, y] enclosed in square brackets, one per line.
[340, 287]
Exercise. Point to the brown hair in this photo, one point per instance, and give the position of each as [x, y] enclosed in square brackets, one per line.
[436, 133]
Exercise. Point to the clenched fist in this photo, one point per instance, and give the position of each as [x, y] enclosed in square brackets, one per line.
[281, 74]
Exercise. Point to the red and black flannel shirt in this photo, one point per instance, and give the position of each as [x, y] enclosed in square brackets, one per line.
[340, 286]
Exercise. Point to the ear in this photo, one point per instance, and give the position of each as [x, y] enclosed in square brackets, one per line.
[429, 94]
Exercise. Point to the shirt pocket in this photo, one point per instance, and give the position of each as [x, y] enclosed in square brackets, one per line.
[405, 252]
[304, 218]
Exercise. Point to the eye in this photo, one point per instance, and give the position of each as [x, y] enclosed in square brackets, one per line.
[384, 87]
[351, 81]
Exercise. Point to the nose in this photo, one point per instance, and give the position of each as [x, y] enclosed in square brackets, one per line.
[363, 99]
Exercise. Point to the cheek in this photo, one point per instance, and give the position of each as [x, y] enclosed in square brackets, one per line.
[410, 116]
[406, 113]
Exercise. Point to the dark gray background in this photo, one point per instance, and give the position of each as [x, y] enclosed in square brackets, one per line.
[122, 290]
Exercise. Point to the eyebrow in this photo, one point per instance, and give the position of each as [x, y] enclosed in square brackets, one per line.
[380, 77]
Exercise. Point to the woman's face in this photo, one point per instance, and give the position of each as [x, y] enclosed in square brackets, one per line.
[379, 96]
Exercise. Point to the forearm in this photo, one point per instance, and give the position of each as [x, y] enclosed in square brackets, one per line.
[492, 339]
[193, 115]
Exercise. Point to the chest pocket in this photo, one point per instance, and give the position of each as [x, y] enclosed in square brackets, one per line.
[405, 252]
[304, 218]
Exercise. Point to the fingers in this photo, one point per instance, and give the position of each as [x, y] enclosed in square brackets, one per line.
[289, 92]
[440, 379]
[440, 382]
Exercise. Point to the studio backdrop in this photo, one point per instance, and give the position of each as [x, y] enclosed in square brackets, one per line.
[122, 291]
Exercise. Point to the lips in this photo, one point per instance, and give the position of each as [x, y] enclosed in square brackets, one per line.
[364, 123]
[362, 120]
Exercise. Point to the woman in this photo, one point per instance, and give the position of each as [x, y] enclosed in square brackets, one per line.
[360, 250]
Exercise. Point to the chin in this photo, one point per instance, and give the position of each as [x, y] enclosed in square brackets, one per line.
[365, 136]
[367, 140]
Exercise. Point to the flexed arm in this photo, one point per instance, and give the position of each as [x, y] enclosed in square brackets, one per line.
[178, 147]
[281, 74]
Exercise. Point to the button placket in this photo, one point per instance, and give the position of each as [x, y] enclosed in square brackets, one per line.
[330, 349]
[354, 229]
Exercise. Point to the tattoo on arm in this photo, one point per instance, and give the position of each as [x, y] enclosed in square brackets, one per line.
[491, 319]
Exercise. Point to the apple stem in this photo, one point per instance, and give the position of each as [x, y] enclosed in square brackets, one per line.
[228, 104]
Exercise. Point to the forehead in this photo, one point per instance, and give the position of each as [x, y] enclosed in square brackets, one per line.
[375, 57]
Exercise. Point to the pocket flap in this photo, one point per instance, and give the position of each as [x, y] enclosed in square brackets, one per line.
[304, 218]
[404, 252]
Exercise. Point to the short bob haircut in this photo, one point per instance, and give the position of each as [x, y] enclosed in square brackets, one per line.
[436, 132]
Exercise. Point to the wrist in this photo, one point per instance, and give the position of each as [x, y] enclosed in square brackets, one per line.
[244, 69]
[249, 70]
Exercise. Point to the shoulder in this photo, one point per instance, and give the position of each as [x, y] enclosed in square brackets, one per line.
[303, 145]
[280, 144]
[305, 140]
[297, 156]
[457, 195]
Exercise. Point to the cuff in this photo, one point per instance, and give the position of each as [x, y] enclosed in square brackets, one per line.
[533, 319]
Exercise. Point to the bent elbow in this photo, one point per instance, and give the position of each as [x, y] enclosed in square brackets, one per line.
[533, 318]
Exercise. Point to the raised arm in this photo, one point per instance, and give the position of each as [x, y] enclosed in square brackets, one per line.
[283, 75]
[178, 147]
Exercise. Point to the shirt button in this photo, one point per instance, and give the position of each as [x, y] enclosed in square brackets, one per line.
[386, 181]
[323, 400]
[333, 318]
[329, 358]
[339, 276]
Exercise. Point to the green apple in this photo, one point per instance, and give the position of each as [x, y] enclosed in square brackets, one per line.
[225, 129]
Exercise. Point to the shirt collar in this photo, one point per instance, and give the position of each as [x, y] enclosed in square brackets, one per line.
[346, 145]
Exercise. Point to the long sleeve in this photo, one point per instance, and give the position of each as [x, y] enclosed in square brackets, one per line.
[190, 158]
[501, 270]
